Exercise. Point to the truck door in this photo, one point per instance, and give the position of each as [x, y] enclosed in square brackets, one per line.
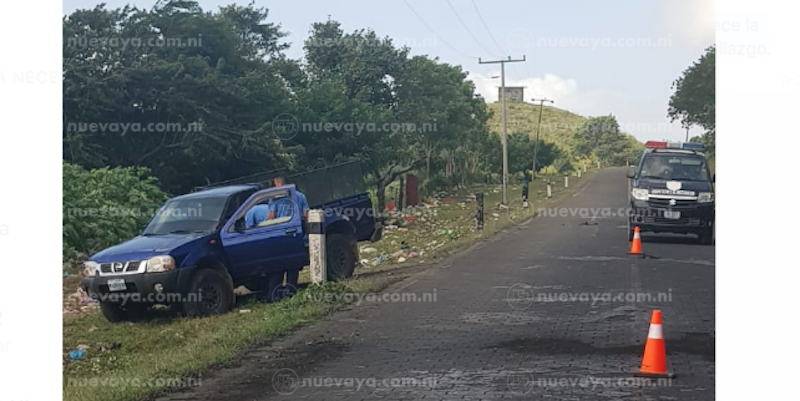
[265, 234]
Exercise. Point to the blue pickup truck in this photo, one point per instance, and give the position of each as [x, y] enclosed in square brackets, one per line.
[198, 247]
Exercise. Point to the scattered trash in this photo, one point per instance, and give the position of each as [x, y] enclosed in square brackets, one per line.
[412, 255]
[77, 354]
[66, 274]
[244, 311]
[369, 250]
[92, 329]
[401, 260]
[111, 347]
[82, 347]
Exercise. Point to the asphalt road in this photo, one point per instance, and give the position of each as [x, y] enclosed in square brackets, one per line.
[552, 309]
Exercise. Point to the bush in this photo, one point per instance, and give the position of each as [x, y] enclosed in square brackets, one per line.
[105, 206]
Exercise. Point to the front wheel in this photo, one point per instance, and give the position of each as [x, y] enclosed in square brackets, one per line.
[706, 237]
[210, 293]
[341, 256]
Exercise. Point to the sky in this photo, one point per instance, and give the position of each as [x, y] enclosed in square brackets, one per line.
[590, 57]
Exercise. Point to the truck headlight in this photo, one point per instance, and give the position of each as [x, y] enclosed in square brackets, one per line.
[160, 264]
[640, 194]
[90, 268]
[705, 197]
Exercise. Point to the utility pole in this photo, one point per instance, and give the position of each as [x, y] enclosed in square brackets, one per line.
[538, 129]
[503, 116]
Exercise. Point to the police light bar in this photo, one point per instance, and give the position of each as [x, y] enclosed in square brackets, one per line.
[693, 146]
[674, 145]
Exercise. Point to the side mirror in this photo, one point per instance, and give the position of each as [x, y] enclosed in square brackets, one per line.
[713, 178]
[631, 171]
[239, 225]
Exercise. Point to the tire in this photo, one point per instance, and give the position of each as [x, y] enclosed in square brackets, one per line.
[116, 313]
[342, 255]
[706, 237]
[630, 231]
[212, 292]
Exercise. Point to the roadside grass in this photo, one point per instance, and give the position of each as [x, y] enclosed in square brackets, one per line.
[169, 351]
[166, 352]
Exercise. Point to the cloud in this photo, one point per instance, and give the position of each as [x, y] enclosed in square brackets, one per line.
[691, 22]
[550, 86]
[635, 114]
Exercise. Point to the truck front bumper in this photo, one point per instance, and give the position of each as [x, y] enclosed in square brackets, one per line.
[693, 218]
[144, 288]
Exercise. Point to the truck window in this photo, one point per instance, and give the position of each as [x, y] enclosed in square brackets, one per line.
[674, 167]
[180, 216]
[270, 210]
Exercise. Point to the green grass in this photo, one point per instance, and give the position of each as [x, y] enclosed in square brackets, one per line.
[558, 126]
[169, 348]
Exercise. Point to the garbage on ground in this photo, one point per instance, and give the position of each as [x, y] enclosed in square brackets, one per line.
[77, 354]
[111, 347]
[401, 259]
[82, 347]
[369, 250]
[412, 255]
[245, 310]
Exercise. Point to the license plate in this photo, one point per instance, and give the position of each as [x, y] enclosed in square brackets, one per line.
[117, 285]
[669, 214]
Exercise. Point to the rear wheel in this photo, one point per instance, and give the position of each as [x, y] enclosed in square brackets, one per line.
[210, 293]
[341, 256]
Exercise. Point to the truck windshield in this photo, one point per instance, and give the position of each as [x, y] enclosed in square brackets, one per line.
[183, 216]
[675, 167]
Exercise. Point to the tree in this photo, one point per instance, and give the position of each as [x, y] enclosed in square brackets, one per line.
[220, 88]
[694, 101]
[601, 138]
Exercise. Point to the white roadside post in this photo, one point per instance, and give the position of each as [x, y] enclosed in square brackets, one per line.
[579, 174]
[566, 181]
[549, 190]
[598, 164]
[316, 246]
[584, 167]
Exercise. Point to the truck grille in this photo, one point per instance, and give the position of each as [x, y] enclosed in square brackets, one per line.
[691, 222]
[131, 266]
[664, 203]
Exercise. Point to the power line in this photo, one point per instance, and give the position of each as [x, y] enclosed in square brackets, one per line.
[435, 33]
[469, 31]
[487, 27]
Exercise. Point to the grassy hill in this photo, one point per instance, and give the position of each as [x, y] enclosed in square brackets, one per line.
[557, 125]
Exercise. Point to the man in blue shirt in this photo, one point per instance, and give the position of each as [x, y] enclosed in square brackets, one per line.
[284, 208]
[257, 214]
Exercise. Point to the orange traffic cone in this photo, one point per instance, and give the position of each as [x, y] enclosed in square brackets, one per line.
[654, 362]
[636, 244]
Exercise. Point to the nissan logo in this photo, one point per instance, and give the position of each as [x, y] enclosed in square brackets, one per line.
[117, 267]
